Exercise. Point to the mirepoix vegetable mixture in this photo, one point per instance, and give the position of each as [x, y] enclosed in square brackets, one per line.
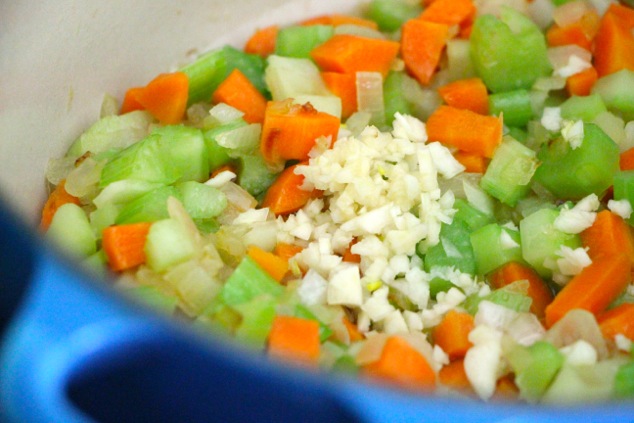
[435, 195]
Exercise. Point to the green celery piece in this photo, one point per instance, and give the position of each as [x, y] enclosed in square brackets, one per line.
[617, 91]
[187, 151]
[510, 171]
[346, 364]
[298, 41]
[515, 105]
[149, 207]
[438, 285]
[154, 298]
[507, 296]
[624, 381]
[218, 155]
[219, 317]
[123, 191]
[207, 226]
[575, 173]
[168, 243]
[71, 231]
[509, 53]
[459, 62]
[96, 263]
[254, 175]
[583, 384]
[390, 15]
[201, 201]
[491, 251]
[394, 96]
[540, 239]
[535, 367]
[453, 250]
[289, 77]
[624, 188]
[518, 133]
[248, 281]
[257, 318]
[324, 331]
[103, 217]
[209, 70]
[474, 218]
[147, 160]
[585, 108]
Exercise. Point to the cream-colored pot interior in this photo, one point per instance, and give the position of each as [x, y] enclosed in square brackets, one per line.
[59, 58]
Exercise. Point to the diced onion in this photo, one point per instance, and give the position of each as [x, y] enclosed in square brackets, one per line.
[370, 96]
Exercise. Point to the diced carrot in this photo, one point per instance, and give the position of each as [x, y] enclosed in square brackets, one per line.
[626, 160]
[263, 41]
[285, 195]
[402, 365]
[124, 245]
[610, 234]
[294, 340]
[57, 198]
[452, 333]
[422, 45]
[346, 53]
[593, 289]
[290, 130]
[349, 256]
[274, 265]
[131, 100]
[165, 97]
[286, 251]
[449, 12]
[581, 83]
[614, 42]
[538, 291]
[453, 375]
[237, 91]
[572, 34]
[473, 163]
[465, 130]
[337, 20]
[353, 330]
[619, 320]
[470, 94]
[344, 86]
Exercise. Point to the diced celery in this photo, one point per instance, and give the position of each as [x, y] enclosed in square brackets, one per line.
[244, 139]
[147, 160]
[217, 154]
[518, 133]
[575, 173]
[582, 384]
[346, 364]
[510, 171]
[535, 367]
[289, 77]
[112, 133]
[541, 240]
[582, 107]
[614, 127]
[254, 175]
[624, 381]
[207, 226]
[394, 96]
[154, 298]
[624, 188]
[96, 263]
[149, 207]
[168, 243]
[514, 105]
[453, 250]
[71, 231]
[391, 14]
[324, 331]
[298, 41]
[210, 69]
[123, 191]
[474, 218]
[617, 91]
[103, 217]
[507, 296]
[248, 281]
[494, 245]
[187, 151]
[257, 318]
[438, 285]
[201, 201]
[509, 52]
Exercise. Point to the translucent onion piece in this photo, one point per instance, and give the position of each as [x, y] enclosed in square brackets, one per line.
[570, 12]
[371, 349]
[82, 181]
[575, 325]
[359, 30]
[370, 96]
[223, 113]
[109, 106]
[357, 122]
[541, 11]
[244, 139]
[58, 169]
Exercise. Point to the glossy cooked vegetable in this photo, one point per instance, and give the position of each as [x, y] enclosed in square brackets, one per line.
[434, 195]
